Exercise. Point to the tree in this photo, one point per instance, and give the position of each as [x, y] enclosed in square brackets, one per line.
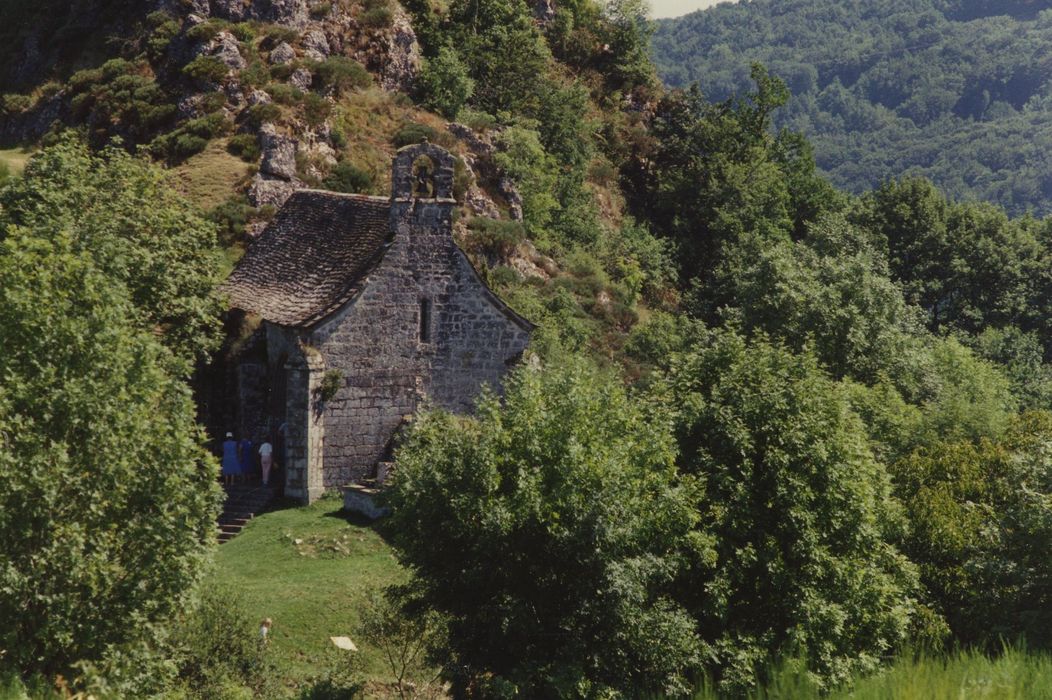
[802, 514]
[563, 527]
[445, 84]
[981, 529]
[107, 498]
[138, 231]
[830, 290]
[713, 172]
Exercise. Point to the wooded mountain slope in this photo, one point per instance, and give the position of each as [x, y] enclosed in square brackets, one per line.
[959, 91]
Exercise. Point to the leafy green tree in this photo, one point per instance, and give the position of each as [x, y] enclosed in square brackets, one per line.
[711, 173]
[121, 212]
[107, 498]
[564, 527]
[967, 265]
[830, 291]
[444, 83]
[524, 160]
[801, 510]
[981, 528]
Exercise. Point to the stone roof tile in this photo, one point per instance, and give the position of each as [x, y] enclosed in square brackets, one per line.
[312, 258]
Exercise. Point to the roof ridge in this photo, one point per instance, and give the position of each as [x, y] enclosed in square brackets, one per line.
[371, 198]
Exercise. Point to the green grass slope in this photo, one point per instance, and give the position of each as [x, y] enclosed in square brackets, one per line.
[1014, 675]
[311, 571]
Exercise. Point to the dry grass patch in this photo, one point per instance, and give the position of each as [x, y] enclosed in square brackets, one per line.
[211, 177]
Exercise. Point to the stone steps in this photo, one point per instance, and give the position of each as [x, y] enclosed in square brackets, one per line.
[243, 502]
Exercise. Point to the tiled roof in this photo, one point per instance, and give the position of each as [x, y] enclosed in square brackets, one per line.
[312, 257]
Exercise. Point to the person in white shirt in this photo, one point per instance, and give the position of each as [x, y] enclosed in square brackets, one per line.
[266, 459]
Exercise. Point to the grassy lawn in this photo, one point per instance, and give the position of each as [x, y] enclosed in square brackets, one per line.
[311, 571]
[1014, 675]
[15, 159]
[211, 177]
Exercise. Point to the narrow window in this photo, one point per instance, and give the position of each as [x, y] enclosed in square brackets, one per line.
[425, 320]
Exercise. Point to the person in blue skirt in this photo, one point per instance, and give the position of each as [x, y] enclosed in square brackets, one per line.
[231, 464]
[248, 459]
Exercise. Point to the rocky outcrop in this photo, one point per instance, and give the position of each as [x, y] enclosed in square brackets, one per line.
[403, 55]
[279, 153]
[316, 45]
[301, 78]
[282, 54]
[225, 48]
[267, 191]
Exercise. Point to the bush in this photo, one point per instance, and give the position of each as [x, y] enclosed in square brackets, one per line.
[341, 74]
[217, 649]
[347, 177]
[255, 74]
[14, 104]
[244, 146]
[93, 548]
[444, 83]
[206, 69]
[578, 481]
[496, 238]
[802, 512]
[207, 30]
[285, 94]
[232, 216]
[243, 32]
[316, 109]
[161, 38]
[412, 133]
[258, 115]
[377, 14]
[321, 10]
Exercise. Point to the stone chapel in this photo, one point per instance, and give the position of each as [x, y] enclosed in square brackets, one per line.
[368, 311]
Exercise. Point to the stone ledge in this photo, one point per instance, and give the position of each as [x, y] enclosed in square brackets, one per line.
[361, 499]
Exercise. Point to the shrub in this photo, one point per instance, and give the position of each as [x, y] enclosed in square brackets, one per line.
[243, 32]
[331, 383]
[160, 38]
[93, 549]
[216, 649]
[316, 109]
[277, 34]
[185, 145]
[207, 30]
[341, 74]
[496, 238]
[321, 10]
[347, 177]
[208, 69]
[255, 74]
[578, 481]
[377, 14]
[212, 102]
[444, 83]
[285, 94]
[802, 512]
[245, 147]
[258, 115]
[14, 103]
[412, 133]
[232, 216]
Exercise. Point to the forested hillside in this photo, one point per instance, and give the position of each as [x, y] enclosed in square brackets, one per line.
[959, 91]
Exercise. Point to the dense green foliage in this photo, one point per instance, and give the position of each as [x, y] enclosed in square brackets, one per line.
[564, 530]
[120, 212]
[802, 513]
[106, 495]
[955, 90]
